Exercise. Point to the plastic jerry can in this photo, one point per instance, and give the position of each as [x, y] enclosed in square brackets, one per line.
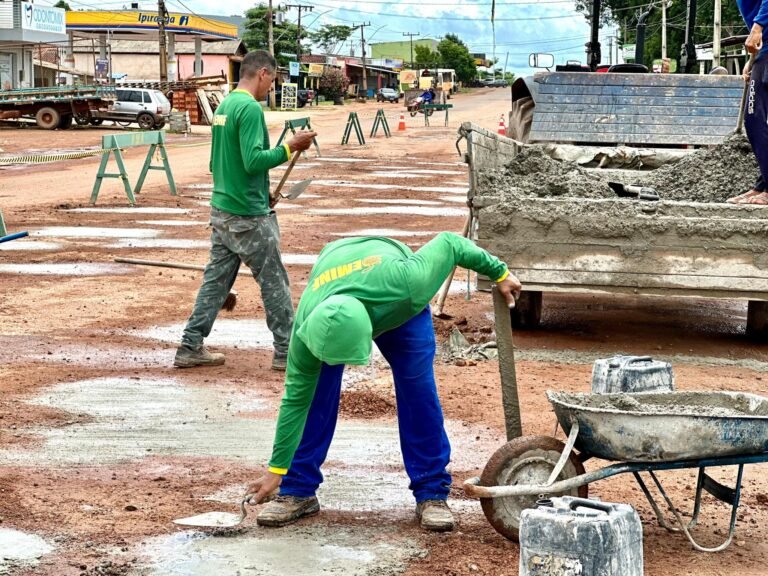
[631, 374]
[569, 536]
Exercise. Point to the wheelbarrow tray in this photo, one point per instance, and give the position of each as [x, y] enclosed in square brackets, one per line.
[664, 427]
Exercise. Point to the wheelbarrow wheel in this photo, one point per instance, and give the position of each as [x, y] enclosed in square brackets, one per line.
[526, 460]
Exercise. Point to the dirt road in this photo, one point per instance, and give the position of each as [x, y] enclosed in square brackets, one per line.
[104, 443]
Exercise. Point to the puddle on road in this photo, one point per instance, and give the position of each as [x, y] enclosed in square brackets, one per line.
[73, 269]
[410, 210]
[295, 550]
[176, 243]
[93, 232]
[174, 222]
[23, 245]
[386, 232]
[405, 201]
[18, 549]
[134, 210]
[299, 259]
[231, 333]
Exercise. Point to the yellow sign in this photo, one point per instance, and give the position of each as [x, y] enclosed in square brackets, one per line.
[316, 70]
[138, 21]
[408, 77]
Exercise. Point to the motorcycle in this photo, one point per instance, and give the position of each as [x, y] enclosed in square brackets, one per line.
[417, 105]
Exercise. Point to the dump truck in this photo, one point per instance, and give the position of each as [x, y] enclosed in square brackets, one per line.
[615, 245]
[56, 107]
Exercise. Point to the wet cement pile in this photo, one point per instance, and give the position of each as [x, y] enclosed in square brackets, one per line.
[713, 404]
[532, 173]
[708, 175]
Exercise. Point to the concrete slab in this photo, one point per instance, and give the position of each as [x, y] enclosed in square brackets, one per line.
[226, 332]
[74, 269]
[411, 210]
[19, 550]
[401, 201]
[175, 243]
[299, 259]
[28, 245]
[94, 232]
[369, 186]
[174, 222]
[386, 232]
[132, 210]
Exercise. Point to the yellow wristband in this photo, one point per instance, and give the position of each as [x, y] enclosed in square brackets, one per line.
[287, 151]
[281, 471]
[503, 276]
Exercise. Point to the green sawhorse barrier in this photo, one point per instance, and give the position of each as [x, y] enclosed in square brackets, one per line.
[114, 143]
[435, 107]
[292, 126]
[380, 122]
[3, 231]
[353, 122]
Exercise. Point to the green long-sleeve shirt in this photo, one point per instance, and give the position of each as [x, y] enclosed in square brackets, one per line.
[391, 282]
[241, 157]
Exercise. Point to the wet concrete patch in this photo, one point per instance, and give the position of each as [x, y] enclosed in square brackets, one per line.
[386, 232]
[19, 550]
[348, 160]
[61, 269]
[199, 186]
[134, 210]
[299, 259]
[396, 174]
[296, 550]
[174, 222]
[175, 243]
[410, 210]
[369, 186]
[231, 333]
[401, 201]
[94, 232]
[31, 245]
[458, 199]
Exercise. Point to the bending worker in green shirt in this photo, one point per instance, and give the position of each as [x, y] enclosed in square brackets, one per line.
[244, 226]
[364, 289]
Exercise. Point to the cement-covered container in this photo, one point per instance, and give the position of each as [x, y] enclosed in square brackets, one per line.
[631, 374]
[570, 536]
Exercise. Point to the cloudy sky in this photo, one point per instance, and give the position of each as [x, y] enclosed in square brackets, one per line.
[522, 26]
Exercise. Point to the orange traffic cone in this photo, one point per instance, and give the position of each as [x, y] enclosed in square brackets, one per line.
[401, 126]
[502, 128]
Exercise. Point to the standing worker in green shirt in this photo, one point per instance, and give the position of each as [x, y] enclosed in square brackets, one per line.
[244, 225]
[364, 289]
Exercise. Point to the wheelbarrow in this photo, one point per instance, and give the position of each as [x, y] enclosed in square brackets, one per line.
[642, 433]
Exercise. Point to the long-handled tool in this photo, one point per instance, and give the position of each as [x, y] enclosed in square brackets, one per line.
[15, 236]
[221, 519]
[740, 122]
[443, 292]
[229, 303]
[295, 191]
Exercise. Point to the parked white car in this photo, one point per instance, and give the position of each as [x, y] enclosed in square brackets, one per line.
[150, 109]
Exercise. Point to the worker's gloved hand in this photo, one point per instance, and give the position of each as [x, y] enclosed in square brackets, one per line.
[755, 39]
[302, 140]
[510, 288]
[263, 488]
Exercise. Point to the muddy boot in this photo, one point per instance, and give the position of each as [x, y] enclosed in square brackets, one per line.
[435, 515]
[279, 362]
[284, 510]
[189, 358]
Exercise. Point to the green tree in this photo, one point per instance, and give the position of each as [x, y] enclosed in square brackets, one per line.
[333, 83]
[454, 54]
[425, 57]
[63, 4]
[625, 13]
[285, 34]
[330, 37]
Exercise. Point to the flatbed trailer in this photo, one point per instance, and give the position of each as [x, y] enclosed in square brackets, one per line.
[56, 107]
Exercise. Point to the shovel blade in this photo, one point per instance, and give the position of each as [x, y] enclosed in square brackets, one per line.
[298, 189]
[212, 520]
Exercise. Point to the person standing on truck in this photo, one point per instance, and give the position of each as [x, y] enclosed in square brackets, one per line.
[755, 14]
[364, 289]
[244, 225]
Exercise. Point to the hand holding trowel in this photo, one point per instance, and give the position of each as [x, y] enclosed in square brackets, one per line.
[301, 142]
[222, 519]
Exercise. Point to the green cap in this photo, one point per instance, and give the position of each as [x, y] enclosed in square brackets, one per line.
[338, 331]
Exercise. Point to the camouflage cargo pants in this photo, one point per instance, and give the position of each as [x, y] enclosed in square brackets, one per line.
[255, 241]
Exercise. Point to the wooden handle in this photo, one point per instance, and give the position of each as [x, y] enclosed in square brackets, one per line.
[161, 264]
[443, 293]
[740, 123]
[279, 188]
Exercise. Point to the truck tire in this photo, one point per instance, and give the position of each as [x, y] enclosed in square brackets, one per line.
[82, 120]
[526, 315]
[48, 118]
[65, 122]
[520, 119]
[145, 121]
[96, 121]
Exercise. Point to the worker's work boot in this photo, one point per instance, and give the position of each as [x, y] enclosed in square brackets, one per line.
[284, 510]
[435, 515]
[189, 358]
[279, 362]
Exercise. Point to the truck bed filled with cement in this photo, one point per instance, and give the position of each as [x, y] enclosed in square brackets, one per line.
[561, 225]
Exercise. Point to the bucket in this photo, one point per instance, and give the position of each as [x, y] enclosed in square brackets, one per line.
[570, 536]
[631, 374]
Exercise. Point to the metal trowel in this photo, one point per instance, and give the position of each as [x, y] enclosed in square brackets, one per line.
[220, 519]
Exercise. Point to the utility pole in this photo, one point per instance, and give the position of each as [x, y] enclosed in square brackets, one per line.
[301, 8]
[716, 35]
[411, 34]
[504, 72]
[365, 70]
[271, 40]
[664, 5]
[610, 50]
[161, 14]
